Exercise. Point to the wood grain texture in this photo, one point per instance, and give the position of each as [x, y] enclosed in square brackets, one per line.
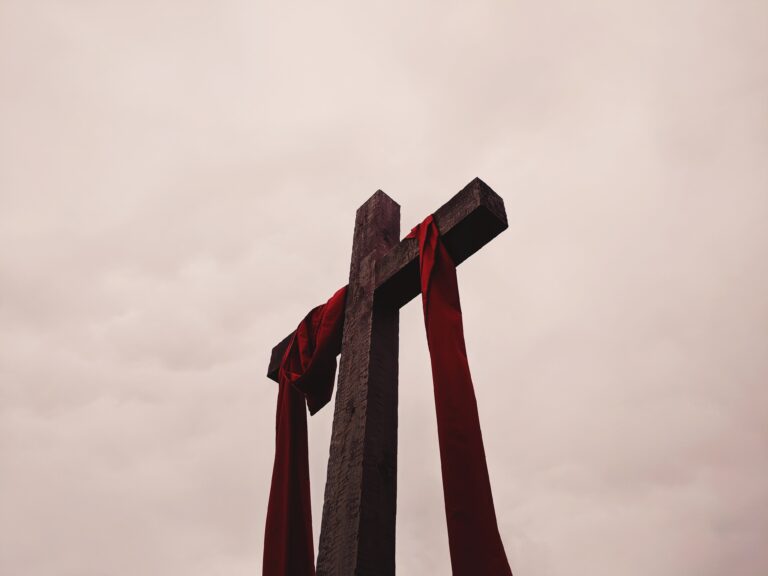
[358, 526]
[467, 222]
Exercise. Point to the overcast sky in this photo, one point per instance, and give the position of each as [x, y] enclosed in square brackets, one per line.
[178, 183]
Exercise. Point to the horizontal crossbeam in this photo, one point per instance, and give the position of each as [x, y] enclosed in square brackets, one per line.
[467, 222]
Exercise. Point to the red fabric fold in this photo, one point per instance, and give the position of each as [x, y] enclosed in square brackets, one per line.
[473, 535]
[306, 375]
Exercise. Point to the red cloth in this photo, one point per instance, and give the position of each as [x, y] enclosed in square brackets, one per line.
[473, 535]
[306, 373]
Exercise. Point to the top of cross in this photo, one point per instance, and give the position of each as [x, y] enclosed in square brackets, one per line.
[468, 221]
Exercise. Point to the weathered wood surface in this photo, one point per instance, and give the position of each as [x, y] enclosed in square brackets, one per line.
[358, 526]
[467, 222]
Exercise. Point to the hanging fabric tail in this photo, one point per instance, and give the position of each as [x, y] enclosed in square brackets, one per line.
[306, 375]
[473, 535]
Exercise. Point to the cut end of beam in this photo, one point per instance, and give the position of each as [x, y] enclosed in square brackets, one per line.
[467, 222]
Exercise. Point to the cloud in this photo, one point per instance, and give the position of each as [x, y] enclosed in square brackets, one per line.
[178, 185]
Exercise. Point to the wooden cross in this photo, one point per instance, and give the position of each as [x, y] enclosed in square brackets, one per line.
[358, 527]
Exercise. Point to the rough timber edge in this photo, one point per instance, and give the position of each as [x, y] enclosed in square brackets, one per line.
[467, 222]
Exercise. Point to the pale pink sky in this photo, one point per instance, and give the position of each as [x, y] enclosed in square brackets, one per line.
[178, 182]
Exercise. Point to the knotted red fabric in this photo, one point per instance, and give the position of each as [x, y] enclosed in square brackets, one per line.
[473, 535]
[306, 375]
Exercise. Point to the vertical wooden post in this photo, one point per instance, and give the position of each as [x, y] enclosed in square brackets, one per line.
[358, 527]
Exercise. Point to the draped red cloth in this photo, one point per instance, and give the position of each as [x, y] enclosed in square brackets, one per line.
[306, 374]
[473, 535]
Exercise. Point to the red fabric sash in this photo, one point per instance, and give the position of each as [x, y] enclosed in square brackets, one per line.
[473, 535]
[306, 372]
